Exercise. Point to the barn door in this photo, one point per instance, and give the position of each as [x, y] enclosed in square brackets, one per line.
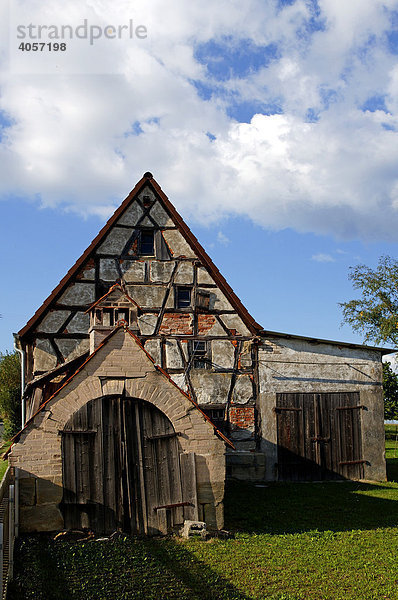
[319, 436]
[122, 469]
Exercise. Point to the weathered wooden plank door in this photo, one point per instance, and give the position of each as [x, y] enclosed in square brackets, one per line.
[347, 415]
[121, 469]
[319, 436]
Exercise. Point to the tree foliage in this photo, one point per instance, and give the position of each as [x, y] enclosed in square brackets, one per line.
[390, 389]
[10, 393]
[375, 314]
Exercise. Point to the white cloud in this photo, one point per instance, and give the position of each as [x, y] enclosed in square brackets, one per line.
[223, 239]
[72, 140]
[323, 257]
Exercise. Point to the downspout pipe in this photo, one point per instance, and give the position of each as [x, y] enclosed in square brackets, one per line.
[23, 355]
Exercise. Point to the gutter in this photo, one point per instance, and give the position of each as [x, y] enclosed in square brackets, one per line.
[17, 343]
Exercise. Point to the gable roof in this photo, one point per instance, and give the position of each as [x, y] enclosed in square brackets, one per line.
[90, 357]
[205, 259]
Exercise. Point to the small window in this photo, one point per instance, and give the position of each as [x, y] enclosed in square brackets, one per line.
[147, 243]
[217, 415]
[199, 354]
[183, 297]
[146, 201]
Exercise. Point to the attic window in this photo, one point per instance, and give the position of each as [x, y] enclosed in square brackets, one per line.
[146, 201]
[183, 297]
[199, 354]
[147, 243]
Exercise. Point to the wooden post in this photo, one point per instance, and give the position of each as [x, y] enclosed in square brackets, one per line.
[162, 520]
[188, 481]
[11, 515]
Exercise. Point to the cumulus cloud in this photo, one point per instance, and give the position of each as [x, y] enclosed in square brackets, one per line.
[223, 239]
[323, 258]
[286, 113]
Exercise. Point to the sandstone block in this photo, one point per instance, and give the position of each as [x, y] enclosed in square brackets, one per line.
[40, 518]
[27, 491]
[47, 492]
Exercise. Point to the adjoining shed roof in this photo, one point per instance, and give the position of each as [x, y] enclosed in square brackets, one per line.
[267, 333]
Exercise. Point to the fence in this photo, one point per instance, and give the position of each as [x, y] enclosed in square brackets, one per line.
[9, 525]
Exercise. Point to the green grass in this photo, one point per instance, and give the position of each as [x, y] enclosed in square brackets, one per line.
[3, 463]
[392, 452]
[330, 541]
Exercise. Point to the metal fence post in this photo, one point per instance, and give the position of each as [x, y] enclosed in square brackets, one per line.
[16, 517]
[11, 516]
[1, 558]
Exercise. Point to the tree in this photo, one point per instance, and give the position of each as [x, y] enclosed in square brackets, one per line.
[375, 315]
[10, 393]
[390, 389]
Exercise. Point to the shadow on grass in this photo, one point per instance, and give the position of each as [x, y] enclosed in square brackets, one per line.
[392, 469]
[197, 578]
[36, 571]
[150, 569]
[296, 508]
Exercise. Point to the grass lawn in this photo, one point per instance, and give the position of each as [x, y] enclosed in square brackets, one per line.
[3, 463]
[335, 541]
[392, 452]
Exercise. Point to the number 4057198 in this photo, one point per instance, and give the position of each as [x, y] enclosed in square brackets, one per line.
[42, 46]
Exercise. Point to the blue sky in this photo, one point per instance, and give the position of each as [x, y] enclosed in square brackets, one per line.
[272, 126]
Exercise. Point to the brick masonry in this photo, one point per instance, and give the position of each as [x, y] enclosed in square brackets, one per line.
[38, 451]
[205, 323]
[242, 417]
[176, 324]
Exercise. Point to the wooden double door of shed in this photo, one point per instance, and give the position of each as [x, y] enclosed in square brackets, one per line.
[319, 436]
[123, 469]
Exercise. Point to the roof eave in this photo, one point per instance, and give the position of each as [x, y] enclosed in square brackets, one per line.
[267, 333]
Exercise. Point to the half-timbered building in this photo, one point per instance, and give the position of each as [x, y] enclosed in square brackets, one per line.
[149, 383]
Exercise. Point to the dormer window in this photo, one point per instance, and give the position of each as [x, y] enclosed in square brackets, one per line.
[146, 245]
[113, 309]
[183, 297]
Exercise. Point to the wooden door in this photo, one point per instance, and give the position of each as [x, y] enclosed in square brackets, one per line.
[122, 469]
[319, 436]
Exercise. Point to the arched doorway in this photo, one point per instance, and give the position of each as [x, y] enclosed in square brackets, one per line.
[123, 469]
